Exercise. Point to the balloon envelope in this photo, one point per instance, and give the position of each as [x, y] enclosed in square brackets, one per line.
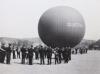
[61, 26]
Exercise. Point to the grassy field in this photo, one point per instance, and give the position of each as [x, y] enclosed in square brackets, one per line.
[80, 64]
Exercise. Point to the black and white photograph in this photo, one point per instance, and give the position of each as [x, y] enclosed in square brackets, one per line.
[49, 36]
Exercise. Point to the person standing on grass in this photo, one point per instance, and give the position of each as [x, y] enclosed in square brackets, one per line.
[42, 55]
[8, 54]
[49, 55]
[30, 55]
[23, 51]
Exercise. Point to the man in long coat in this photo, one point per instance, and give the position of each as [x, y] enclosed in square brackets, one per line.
[30, 55]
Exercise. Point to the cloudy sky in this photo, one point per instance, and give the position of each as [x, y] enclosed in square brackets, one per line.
[19, 18]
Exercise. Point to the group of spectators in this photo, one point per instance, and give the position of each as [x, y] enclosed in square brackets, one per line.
[34, 53]
[80, 50]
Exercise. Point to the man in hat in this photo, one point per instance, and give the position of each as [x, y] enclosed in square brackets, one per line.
[42, 54]
[23, 51]
[30, 55]
[8, 54]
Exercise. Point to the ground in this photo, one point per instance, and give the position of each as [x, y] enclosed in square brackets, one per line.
[80, 64]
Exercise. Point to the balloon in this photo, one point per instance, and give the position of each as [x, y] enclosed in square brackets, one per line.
[61, 26]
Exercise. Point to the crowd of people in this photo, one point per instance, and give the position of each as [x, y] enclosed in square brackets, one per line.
[34, 53]
[80, 50]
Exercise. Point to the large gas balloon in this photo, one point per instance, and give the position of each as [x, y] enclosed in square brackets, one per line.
[61, 26]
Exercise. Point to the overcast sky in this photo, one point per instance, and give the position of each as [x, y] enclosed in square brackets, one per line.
[19, 18]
